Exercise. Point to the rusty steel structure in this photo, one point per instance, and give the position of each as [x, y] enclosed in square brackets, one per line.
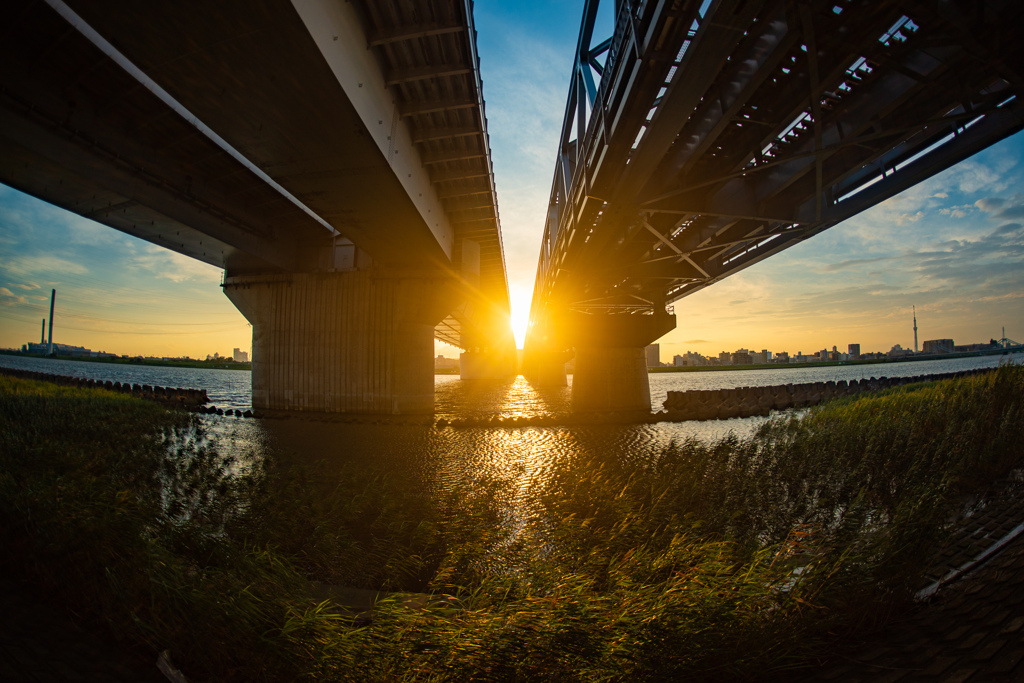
[704, 136]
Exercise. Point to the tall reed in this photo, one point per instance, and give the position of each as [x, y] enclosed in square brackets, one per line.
[741, 559]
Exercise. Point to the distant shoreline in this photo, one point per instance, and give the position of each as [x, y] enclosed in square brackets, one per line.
[201, 364]
[821, 364]
[221, 365]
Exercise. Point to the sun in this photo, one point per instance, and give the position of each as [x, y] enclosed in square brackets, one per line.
[520, 301]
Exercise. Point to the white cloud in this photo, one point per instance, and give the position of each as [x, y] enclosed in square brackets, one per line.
[10, 298]
[909, 217]
[990, 204]
[956, 211]
[42, 265]
[170, 265]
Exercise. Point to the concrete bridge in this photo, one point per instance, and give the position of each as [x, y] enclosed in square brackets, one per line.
[706, 135]
[331, 156]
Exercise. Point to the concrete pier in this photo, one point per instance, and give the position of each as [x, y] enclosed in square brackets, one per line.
[341, 342]
[611, 366]
[546, 369]
[610, 379]
[487, 364]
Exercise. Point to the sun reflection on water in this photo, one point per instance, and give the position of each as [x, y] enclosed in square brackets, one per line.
[454, 397]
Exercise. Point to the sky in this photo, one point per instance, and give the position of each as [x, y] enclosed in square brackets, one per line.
[952, 246]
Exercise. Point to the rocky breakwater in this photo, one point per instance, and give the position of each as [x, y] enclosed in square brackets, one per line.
[721, 404]
[191, 399]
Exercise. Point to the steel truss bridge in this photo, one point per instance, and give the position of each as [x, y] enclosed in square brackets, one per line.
[704, 136]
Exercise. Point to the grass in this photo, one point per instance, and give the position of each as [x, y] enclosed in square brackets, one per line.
[743, 559]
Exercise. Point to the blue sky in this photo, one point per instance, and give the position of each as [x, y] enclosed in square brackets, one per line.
[953, 246]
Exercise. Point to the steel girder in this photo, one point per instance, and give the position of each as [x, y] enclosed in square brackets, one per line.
[706, 142]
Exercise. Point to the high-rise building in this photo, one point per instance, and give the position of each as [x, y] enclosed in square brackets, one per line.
[853, 350]
[240, 356]
[939, 346]
[741, 357]
[653, 352]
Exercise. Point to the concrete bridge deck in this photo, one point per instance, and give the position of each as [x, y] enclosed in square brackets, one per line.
[322, 153]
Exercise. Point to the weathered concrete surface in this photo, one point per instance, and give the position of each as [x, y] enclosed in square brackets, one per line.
[487, 365]
[355, 342]
[610, 379]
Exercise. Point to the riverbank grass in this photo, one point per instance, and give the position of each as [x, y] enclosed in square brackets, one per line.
[742, 559]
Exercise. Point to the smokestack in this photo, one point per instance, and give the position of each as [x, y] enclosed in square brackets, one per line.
[53, 296]
[42, 337]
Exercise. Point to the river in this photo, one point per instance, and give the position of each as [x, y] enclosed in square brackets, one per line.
[442, 458]
[522, 451]
[456, 398]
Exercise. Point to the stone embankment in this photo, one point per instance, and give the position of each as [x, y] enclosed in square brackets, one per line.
[193, 399]
[721, 404]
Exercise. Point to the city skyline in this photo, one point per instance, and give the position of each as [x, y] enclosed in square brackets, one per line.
[953, 245]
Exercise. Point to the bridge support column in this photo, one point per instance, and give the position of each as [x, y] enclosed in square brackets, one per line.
[354, 342]
[546, 369]
[487, 364]
[611, 365]
[610, 380]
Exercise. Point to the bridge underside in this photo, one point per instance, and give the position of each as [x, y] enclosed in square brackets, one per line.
[275, 140]
[703, 138]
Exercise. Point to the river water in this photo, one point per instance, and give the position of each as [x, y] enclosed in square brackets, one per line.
[440, 459]
[456, 398]
[443, 456]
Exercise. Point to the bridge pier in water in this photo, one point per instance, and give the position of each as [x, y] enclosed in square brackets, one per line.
[344, 342]
[610, 379]
[487, 363]
[546, 369]
[611, 364]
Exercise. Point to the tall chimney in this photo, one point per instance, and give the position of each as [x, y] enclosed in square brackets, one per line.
[42, 337]
[53, 295]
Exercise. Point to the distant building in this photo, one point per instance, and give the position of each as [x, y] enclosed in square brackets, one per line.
[741, 357]
[853, 350]
[653, 352]
[984, 346]
[782, 357]
[898, 352]
[63, 350]
[939, 346]
[240, 356]
[725, 358]
[690, 359]
[443, 363]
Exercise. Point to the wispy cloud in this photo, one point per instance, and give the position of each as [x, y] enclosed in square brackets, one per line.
[42, 265]
[852, 263]
[9, 298]
[157, 262]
